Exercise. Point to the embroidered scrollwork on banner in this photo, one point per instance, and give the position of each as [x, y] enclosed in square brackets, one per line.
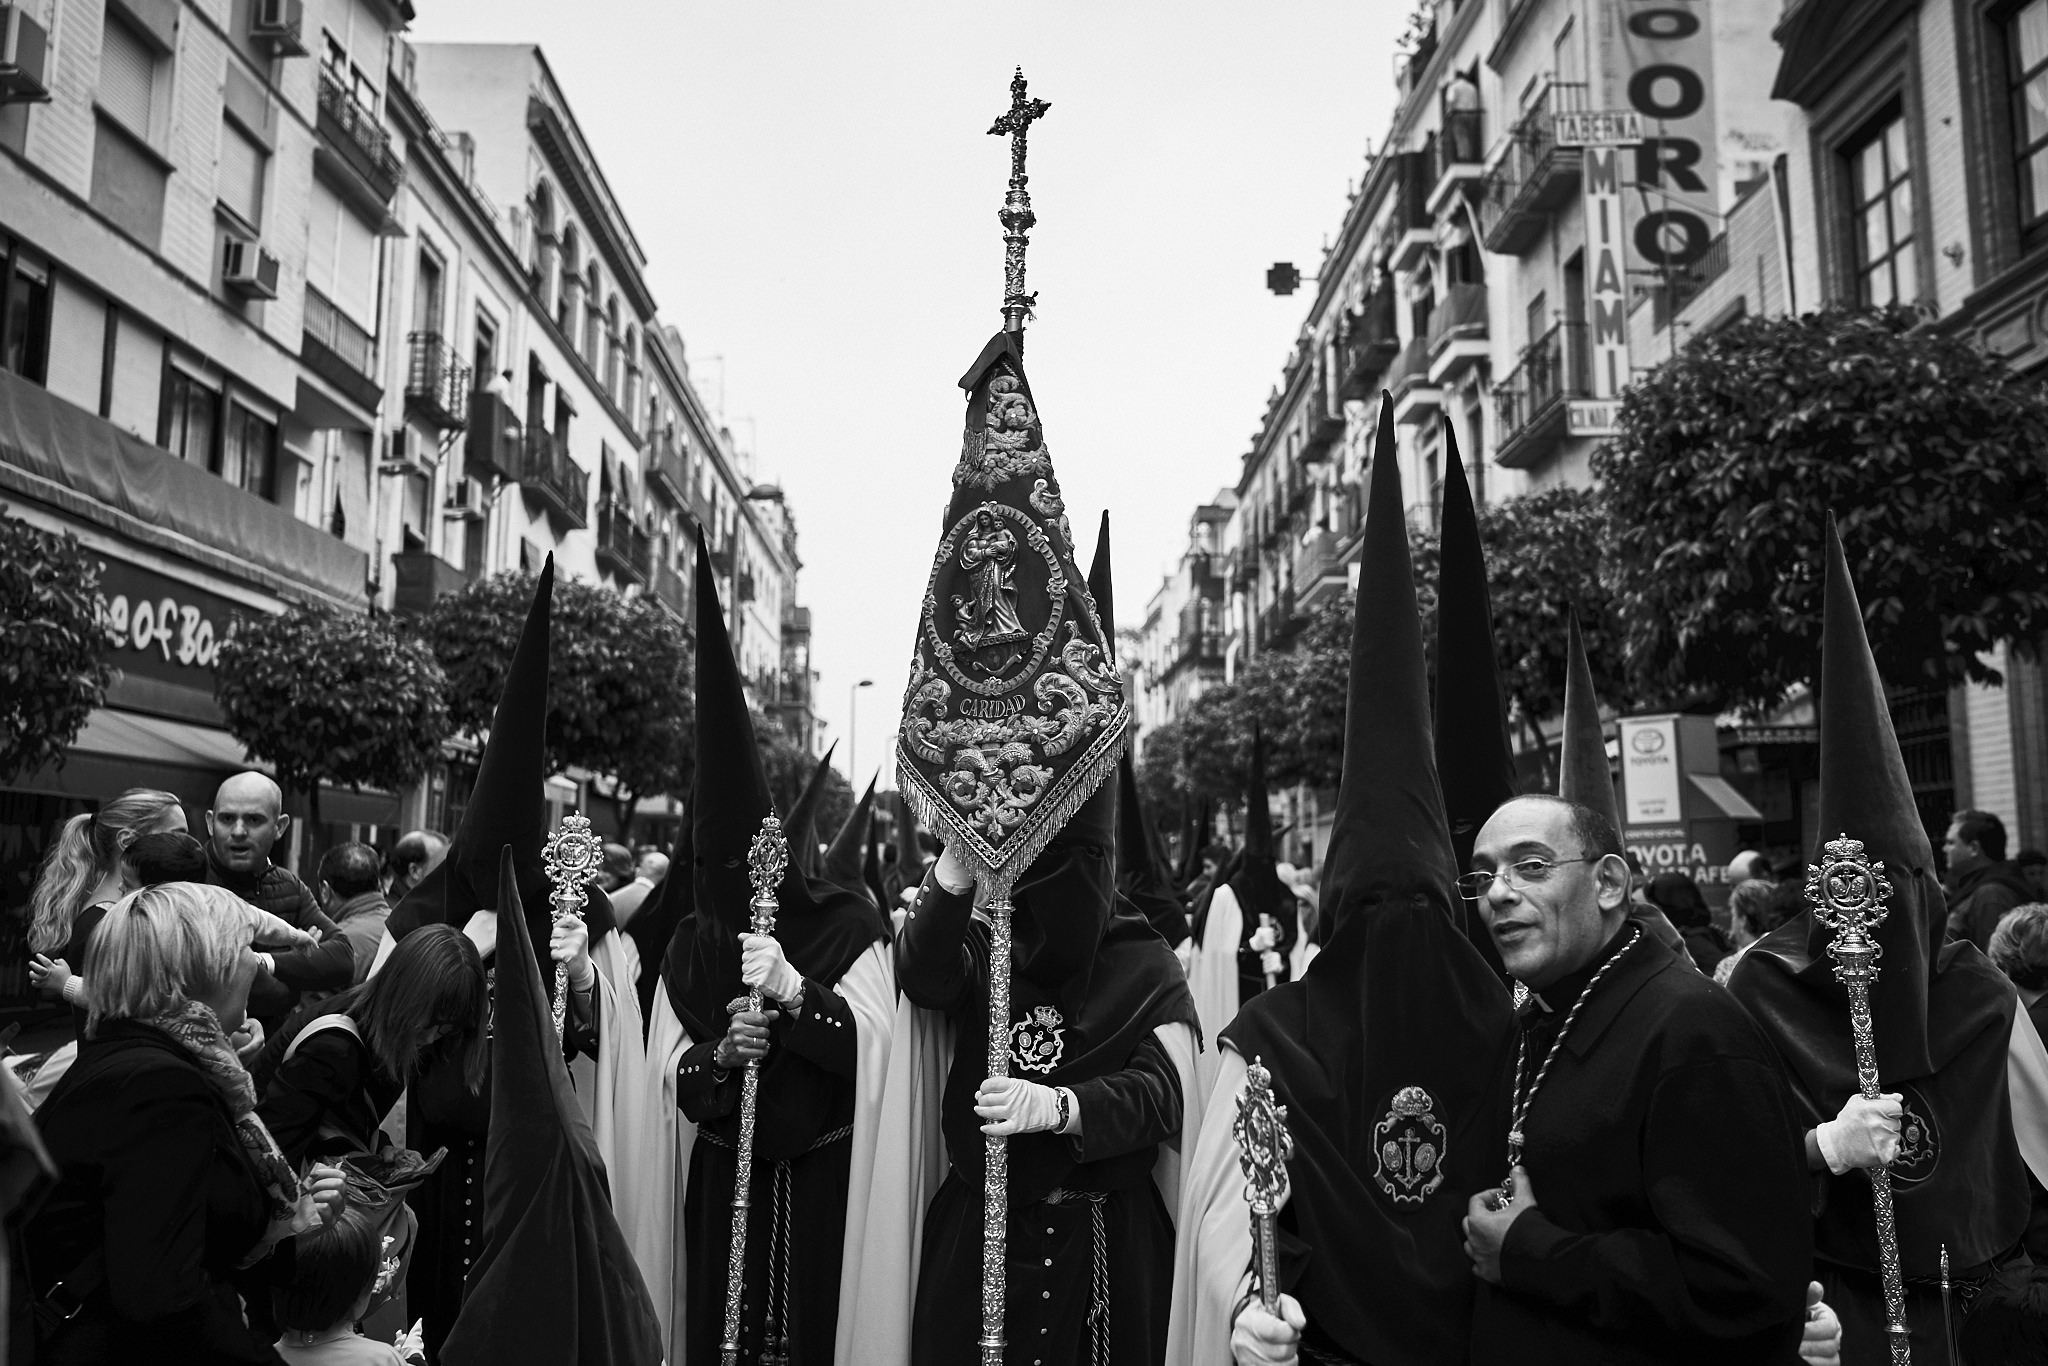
[1009, 443]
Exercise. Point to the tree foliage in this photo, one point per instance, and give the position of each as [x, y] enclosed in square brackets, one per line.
[620, 700]
[332, 697]
[789, 767]
[1730, 456]
[52, 673]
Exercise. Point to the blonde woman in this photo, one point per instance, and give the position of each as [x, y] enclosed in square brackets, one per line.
[81, 876]
[171, 1194]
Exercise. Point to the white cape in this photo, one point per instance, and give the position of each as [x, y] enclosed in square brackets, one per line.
[1212, 1233]
[1212, 977]
[666, 1138]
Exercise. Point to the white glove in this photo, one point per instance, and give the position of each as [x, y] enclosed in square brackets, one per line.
[1259, 1339]
[1269, 964]
[570, 943]
[1822, 1342]
[762, 965]
[1265, 939]
[482, 929]
[1865, 1134]
[412, 1343]
[1012, 1105]
[952, 874]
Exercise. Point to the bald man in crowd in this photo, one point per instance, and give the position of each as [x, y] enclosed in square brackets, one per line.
[244, 824]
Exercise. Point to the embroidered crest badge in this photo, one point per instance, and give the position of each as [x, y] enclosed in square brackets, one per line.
[1037, 1042]
[1409, 1148]
[1919, 1139]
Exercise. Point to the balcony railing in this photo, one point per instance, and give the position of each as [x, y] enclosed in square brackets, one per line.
[337, 350]
[1535, 177]
[1324, 418]
[1315, 558]
[1410, 367]
[1456, 155]
[1459, 316]
[667, 471]
[492, 446]
[1530, 402]
[671, 589]
[546, 472]
[354, 135]
[436, 383]
[1413, 224]
[1368, 342]
[421, 579]
[622, 546]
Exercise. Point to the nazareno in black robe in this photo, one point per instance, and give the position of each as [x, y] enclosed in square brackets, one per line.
[1109, 981]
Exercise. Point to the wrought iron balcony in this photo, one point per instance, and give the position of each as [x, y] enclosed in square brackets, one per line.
[1457, 332]
[1531, 403]
[1535, 177]
[436, 383]
[1323, 424]
[547, 474]
[622, 546]
[1414, 177]
[337, 350]
[672, 589]
[353, 137]
[1369, 340]
[668, 472]
[1458, 157]
[1315, 560]
[421, 579]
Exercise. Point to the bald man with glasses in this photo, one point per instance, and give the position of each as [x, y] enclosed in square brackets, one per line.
[1655, 1199]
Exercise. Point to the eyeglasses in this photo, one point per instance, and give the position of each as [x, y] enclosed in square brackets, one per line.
[1526, 872]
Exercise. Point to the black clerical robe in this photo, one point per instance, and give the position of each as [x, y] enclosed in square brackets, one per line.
[1061, 1188]
[1670, 1221]
[796, 1218]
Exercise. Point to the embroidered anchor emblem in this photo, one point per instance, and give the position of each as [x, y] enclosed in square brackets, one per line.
[1409, 1147]
[1037, 1042]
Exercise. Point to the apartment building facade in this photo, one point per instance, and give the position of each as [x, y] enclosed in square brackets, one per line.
[1179, 648]
[278, 327]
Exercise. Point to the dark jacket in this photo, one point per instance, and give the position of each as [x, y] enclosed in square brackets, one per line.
[152, 1174]
[1979, 899]
[343, 958]
[1671, 1222]
[276, 889]
[327, 1098]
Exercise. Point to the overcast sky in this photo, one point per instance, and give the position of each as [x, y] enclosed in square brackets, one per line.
[816, 192]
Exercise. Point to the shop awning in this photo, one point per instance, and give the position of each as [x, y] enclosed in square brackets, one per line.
[1724, 798]
[160, 740]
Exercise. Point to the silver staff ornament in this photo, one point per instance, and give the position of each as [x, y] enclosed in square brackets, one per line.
[1849, 891]
[1263, 1149]
[572, 856]
[766, 861]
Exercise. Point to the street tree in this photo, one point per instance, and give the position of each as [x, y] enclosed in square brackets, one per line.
[620, 702]
[331, 697]
[1731, 455]
[52, 670]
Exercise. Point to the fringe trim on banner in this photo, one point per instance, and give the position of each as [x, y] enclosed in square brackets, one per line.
[997, 870]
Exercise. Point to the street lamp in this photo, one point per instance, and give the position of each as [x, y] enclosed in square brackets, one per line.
[852, 732]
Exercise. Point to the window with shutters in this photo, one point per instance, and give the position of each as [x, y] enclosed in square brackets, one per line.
[24, 318]
[127, 84]
[239, 181]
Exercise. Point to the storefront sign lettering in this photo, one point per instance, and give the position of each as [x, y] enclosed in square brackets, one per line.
[160, 628]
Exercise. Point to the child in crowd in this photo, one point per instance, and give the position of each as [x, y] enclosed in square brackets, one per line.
[340, 1272]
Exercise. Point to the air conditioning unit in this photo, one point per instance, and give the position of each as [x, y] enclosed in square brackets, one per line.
[24, 58]
[465, 501]
[279, 23]
[247, 269]
[409, 455]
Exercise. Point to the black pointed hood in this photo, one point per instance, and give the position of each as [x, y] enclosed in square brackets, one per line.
[871, 872]
[1941, 1014]
[842, 865]
[1256, 879]
[554, 1280]
[801, 830]
[508, 805]
[1582, 772]
[822, 929]
[1474, 759]
[1100, 583]
[1398, 1015]
[908, 868]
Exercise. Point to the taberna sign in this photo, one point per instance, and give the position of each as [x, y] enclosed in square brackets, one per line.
[1666, 75]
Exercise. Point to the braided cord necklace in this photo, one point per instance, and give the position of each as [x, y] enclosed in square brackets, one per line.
[1524, 1098]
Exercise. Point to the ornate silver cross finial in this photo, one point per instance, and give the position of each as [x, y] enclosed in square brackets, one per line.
[1263, 1149]
[572, 857]
[766, 860]
[1016, 216]
[1849, 891]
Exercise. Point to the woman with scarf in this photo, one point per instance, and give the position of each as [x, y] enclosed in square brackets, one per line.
[171, 1193]
[1101, 1070]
